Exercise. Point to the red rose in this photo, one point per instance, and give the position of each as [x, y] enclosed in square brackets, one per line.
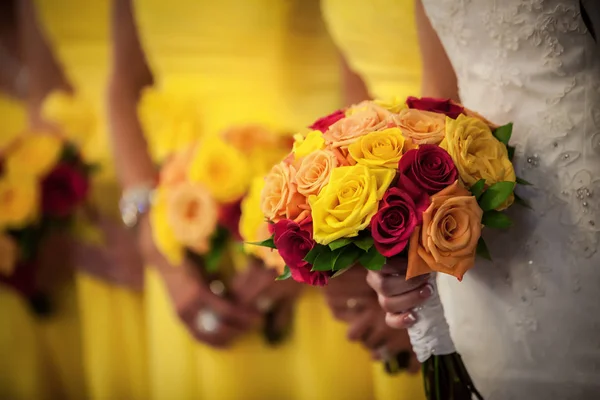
[395, 222]
[229, 218]
[305, 275]
[426, 171]
[63, 189]
[294, 241]
[322, 124]
[442, 106]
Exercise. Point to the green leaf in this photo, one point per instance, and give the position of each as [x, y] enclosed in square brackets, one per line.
[364, 243]
[285, 275]
[218, 245]
[482, 250]
[312, 255]
[340, 272]
[496, 219]
[496, 195]
[477, 188]
[324, 261]
[521, 181]
[265, 243]
[341, 242]
[372, 260]
[522, 202]
[346, 257]
[511, 152]
[503, 133]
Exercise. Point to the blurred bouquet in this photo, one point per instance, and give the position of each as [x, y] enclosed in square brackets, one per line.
[196, 207]
[43, 181]
[417, 179]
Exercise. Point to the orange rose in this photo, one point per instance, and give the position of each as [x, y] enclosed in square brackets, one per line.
[361, 119]
[421, 127]
[280, 198]
[474, 114]
[249, 137]
[448, 238]
[314, 172]
[192, 215]
[175, 169]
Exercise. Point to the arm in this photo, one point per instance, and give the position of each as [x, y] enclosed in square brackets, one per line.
[354, 89]
[439, 79]
[129, 75]
[44, 71]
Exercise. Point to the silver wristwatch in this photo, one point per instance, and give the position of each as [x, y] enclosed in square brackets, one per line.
[135, 202]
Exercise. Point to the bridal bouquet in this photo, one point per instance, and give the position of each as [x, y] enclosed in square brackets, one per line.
[43, 181]
[416, 179]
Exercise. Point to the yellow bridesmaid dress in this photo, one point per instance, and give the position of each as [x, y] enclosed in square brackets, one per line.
[378, 39]
[112, 320]
[22, 357]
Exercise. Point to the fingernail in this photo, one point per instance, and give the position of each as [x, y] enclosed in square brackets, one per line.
[409, 318]
[426, 291]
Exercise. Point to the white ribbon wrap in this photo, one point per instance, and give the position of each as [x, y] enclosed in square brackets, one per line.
[430, 334]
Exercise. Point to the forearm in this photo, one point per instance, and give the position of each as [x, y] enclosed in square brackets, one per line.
[44, 71]
[128, 76]
[439, 79]
[353, 86]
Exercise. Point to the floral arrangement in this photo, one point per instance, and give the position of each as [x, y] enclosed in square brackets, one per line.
[196, 205]
[43, 182]
[415, 179]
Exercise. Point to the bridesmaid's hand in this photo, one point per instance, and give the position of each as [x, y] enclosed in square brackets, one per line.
[257, 288]
[398, 296]
[117, 261]
[348, 294]
[210, 318]
[369, 328]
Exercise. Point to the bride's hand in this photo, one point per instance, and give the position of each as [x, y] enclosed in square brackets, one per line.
[398, 296]
[210, 318]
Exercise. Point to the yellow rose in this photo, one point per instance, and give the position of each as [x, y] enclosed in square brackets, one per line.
[303, 146]
[34, 154]
[19, 201]
[476, 152]
[171, 120]
[222, 169]
[162, 231]
[421, 127]
[73, 114]
[379, 149]
[8, 255]
[347, 203]
[394, 104]
[192, 214]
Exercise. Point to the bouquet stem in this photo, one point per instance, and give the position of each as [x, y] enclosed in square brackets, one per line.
[444, 373]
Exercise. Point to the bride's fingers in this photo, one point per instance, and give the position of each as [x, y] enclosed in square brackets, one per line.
[406, 301]
[401, 320]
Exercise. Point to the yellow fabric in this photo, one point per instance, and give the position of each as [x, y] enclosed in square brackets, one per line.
[378, 38]
[112, 321]
[258, 61]
[379, 41]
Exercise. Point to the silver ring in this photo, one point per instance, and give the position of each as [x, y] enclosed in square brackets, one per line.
[217, 287]
[264, 304]
[207, 321]
[352, 303]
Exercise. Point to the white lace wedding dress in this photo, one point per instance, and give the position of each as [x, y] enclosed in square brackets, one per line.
[528, 324]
